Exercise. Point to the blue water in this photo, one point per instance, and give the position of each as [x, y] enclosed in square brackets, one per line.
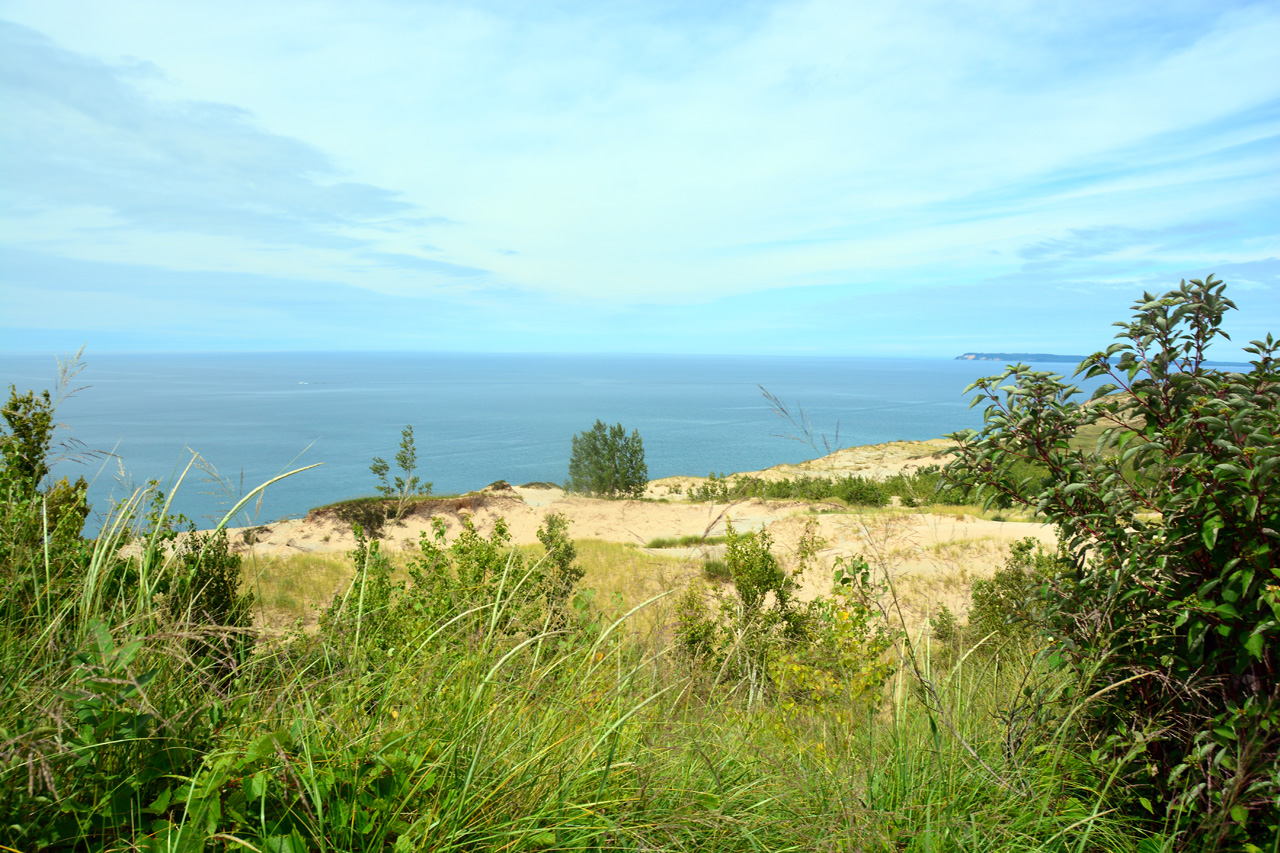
[476, 418]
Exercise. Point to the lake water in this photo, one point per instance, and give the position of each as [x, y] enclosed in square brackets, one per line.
[476, 418]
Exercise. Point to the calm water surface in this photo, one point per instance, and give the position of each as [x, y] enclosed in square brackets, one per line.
[476, 418]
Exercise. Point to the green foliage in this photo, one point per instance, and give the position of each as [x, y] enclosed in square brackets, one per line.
[920, 487]
[26, 441]
[1170, 612]
[758, 574]
[845, 656]
[493, 584]
[716, 570]
[697, 631]
[760, 615]
[38, 526]
[692, 540]
[207, 597]
[560, 572]
[714, 489]
[606, 461]
[1007, 605]
[767, 644]
[945, 628]
[362, 616]
[474, 702]
[405, 485]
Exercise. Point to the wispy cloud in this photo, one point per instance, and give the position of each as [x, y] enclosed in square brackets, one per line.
[82, 132]
[611, 164]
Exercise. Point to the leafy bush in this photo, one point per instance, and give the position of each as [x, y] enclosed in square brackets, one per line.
[845, 652]
[25, 442]
[921, 487]
[767, 643]
[1007, 605]
[606, 461]
[711, 490]
[39, 525]
[207, 597]
[482, 577]
[760, 616]
[1172, 599]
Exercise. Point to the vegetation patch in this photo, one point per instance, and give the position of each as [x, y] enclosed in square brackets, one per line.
[691, 540]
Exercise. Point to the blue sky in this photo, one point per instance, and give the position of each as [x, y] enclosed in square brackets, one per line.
[916, 178]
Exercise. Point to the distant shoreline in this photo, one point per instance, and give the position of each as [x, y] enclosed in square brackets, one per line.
[1019, 356]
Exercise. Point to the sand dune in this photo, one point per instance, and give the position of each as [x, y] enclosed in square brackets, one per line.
[929, 552]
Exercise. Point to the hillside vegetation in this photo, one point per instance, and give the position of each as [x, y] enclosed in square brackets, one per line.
[477, 695]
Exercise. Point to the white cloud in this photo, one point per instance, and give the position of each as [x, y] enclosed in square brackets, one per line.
[607, 151]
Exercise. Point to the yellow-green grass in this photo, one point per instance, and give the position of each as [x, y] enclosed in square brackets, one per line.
[292, 588]
[295, 587]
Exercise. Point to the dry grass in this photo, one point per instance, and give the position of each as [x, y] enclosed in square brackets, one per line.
[293, 588]
[296, 587]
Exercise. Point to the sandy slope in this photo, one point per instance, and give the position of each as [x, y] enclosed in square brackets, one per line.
[933, 556]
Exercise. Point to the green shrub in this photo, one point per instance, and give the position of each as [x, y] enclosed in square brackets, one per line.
[1008, 604]
[496, 586]
[606, 461]
[758, 619]
[1170, 610]
[714, 489]
[945, 628]
[207, 598]
[844, 655]
[921, 487]
[25, 443]
[39, 525]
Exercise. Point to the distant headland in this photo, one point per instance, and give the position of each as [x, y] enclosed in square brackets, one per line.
[1018, 356]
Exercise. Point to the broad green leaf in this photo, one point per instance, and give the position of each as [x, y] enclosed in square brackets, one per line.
[1209, 530]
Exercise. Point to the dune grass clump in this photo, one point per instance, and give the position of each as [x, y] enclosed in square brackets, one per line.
[691, 540]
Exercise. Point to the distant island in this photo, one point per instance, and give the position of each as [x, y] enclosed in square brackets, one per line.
[1018, 356]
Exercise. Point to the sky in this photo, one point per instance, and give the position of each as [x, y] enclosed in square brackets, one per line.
[849, 178]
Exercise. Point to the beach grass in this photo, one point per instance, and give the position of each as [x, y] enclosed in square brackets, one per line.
[466, 721]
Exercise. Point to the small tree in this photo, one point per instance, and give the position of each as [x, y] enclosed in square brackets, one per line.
[606, 461]
[25, 443]
[409, 484]
[1171, 598]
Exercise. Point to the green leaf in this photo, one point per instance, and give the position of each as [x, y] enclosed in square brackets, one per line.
[1209, 530]
[264, 746]
[1146, 804]
[161, 803]
[1253, 645]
